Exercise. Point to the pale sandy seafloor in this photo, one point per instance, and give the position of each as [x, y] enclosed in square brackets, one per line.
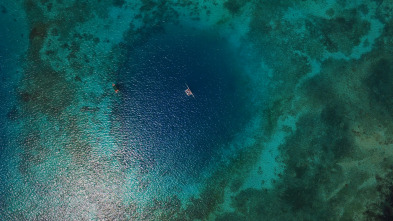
[318, 145]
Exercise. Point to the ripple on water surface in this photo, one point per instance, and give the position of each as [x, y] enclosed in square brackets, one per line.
[165, 129]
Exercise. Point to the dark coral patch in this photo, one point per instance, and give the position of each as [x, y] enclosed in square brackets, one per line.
[301, 196]
[344, 32]
[383, 210]
[319, 89]
[78, 79]
[13, 114]
[200, 208]
[231, 217]
[25, 96]
[3, 9]
[333, 115]
[234, 6]
[39, 30]
[48, 92]
[380, 84]
[118, 3]
[149, 5]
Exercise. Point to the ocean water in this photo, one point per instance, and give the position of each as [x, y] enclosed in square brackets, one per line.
[181, 134]
[291, 118]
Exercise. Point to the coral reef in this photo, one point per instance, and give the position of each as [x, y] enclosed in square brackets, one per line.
[317, 144]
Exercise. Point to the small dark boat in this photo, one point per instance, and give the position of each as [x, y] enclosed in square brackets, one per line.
[115, 88]
[189, 92]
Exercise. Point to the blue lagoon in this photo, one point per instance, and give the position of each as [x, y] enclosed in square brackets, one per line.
[289, 118]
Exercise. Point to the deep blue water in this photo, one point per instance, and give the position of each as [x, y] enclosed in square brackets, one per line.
[165, 128]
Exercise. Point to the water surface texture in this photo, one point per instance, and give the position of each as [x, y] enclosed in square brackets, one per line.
[291, 118]
[163, 126]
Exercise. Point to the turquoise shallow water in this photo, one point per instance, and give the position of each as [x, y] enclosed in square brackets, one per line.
[291, 118]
